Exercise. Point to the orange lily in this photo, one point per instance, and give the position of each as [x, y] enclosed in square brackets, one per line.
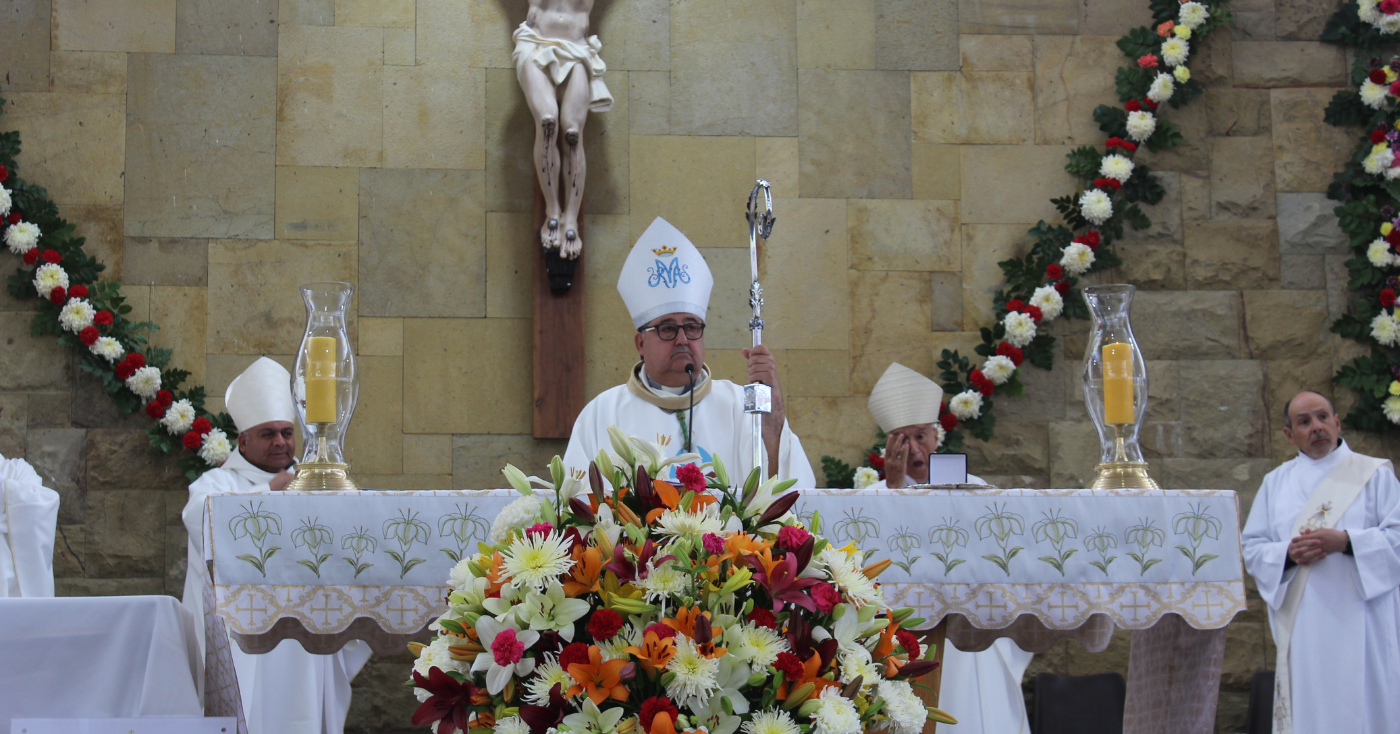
[671, 497]
[654, 653]
[496, 575]
[662, 724]
[484, 719]
[600, 680]
[684, 621]
[886, 644]
[584, 576]
[809, 675]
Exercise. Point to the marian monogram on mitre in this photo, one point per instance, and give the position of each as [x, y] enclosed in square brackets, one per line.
[668, 271]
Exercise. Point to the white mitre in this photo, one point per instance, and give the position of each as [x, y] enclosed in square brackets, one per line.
[664, 274]
[904, 397]
[262, 393]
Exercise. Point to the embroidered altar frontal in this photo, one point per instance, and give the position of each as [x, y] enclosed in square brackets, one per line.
[326, 560]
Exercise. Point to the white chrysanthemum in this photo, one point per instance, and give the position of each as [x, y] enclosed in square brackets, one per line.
[696, 675]
[76, 315]
[1162, 88]
[1141, 125]
[772, 721]
[942, 434]
[835, 714]
[865, 476]
[1385, 329]
[1116, 167]
[107, 348]
[663, 582]
[1378, 160]
[1378, 252]
[435, 655]
[846, 574]
[1391, 407]
[178, 417]
[1095, 205]
[906, 713]
[48, 277]
[22, 237]
[998, 369]
[215, 448]
[1049, 301]
[536, 560]
[5, 203]
[1175, 50]
[144, 382]
[461, 575]
[699, 522]
[966, 405]
[1373, 95]
[1193, 14]
[1182, 74]
[512, 725]
[615, 647]
[1369, 11]
[1077, 259]
[1020, 328]
[855, 661]
[546, 677]
[1393, 172]
[518, 514]
[758, 646]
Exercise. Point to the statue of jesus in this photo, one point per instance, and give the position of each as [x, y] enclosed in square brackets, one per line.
[560, 71]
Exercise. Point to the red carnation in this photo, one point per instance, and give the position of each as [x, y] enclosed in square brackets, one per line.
[102, 318]
[165, 398]
[1054, 272]
[790, 666]
[910, 643]
[657, 705]
[78, 291]
[1377, 76]
[1133, 106]
[1378, 136]
[764, 617]
[52, 256]
[1395, 89]
[1091, 238]
[31, 257]
[155, 410]
[1107, 183]
[193, 440]
[16, 217]
[1012, 353]
[201, 426]
[1149, 104]
[826, 596]
[4, 174]
[987, 388]
[1387, 297]
[88, 336]
[575, 653]
[136, 360]
[1116, 142]
[691, 477]
[943, 407]
[948, 421]
[1390, 7]
[1394, 237]
[604, 624]
[124, 370]
[662, 631]
[1148, 61]
[1062, 287]
[1015, 305]
[792, 537]
[976, 377]
[1035, 313]
[58, 296]
[876, 461]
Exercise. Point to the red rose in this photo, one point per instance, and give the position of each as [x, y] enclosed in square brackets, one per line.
[1062, 287]
[764, 617]
[201, 426]
[657, 705]
[790, 666]
[691, 477]
[58, 296]
[1015, 305]
[136, 360]
[662, 631]
[78, 291]
[193, 440]
[1149, 104]
[792, 537]
[1377, 76]
[1390, 7]
[1133, 106]
[948, 421]
[1054, 272]
[31, 257]
[575, 653]
[1107, 183]
[124, 370]
[1378, 136]
[164, 398]
[826, 596]
[155, 410]
[52, 256]
[987, 388]
[604, 624]
[16, 217]
[102, 318]
[1035, 313]
[910, 643]
[976, 377]
[88, 336]
[1387, 297]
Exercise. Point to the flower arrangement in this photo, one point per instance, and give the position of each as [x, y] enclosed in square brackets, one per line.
[622, 603]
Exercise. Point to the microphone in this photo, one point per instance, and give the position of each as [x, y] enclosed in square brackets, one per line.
[690, 414]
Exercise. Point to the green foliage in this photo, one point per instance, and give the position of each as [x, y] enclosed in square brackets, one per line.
[1347, 109]
[1132, 82]
[1143, 186]
[1084, 161]
[1139, 42]
[1185, 94]
[838, 473]
[1165, 137]
[1113, 121]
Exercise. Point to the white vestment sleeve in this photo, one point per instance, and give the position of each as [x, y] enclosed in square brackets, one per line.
[28, 521]
[1377, 549]
[1265, 553]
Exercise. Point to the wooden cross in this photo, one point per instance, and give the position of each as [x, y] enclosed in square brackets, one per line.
[249, 609]
[401, 608]
[989, 606]
[1062, 606]
[1135, 606]
[1208, 605]
[558, 360]
[325, 610]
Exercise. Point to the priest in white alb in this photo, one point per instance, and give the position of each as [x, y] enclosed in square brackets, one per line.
[28, 519]
[666, 284]
[1323, 545]
[287, 690]
[983, 689]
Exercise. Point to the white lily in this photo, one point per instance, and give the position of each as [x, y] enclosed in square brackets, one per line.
[552, 610]
[501, 662]
[594, 721]
[653, 456]
[622, 446]
[607, 525]
[503, 606]
[846, 631]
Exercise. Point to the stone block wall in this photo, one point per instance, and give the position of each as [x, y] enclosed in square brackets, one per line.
[216, 154]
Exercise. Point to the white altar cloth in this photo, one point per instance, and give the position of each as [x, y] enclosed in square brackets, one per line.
[98, 657]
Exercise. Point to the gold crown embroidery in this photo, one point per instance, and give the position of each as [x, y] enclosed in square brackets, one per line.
[664, 251]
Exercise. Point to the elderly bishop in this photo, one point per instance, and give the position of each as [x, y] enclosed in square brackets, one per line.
[670, 396]
[984, 688]
[287, 690]
[1323, 544]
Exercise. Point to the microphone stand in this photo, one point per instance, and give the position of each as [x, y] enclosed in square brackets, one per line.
[690, 414]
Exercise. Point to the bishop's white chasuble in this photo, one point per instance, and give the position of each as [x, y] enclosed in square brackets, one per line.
[28, 519]
[1343, 665]
[287, 690]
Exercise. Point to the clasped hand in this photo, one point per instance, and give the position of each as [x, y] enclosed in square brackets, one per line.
[1313, 545]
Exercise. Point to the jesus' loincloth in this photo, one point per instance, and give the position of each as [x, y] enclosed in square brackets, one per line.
[558, 57]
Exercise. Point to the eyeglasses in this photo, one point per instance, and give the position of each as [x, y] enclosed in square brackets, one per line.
[668, 332]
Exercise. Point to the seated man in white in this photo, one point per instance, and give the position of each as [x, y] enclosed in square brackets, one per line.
[28, 519]
[666, 286]
[287, 690]
[982, 689]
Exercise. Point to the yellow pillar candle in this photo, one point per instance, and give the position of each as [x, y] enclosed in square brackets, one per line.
[320, 379]
[1118, 407]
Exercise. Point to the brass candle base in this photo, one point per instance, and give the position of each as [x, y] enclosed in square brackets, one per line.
[1123, 475]
[322, 476]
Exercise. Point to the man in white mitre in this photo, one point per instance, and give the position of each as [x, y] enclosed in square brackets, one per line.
[666, 284]
[28, 519]
[287, 690]
[1323, 544]
[982, 689]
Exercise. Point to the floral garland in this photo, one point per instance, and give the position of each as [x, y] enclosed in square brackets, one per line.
[89, 316]
[1368, 190]
[1042, 285]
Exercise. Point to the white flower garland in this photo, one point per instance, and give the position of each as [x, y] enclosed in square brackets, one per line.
[178, 417]
[966, 405]
[1370, 12]
[1141, 125]
[1096, 206]
[1078, 258]
[76, 315]
[48, 277]
[22, 237]
[1116, 167]
[144, 382]
[107, 348]
[215, 448]
[1049, 300]
[1020, 329]
[998, 369]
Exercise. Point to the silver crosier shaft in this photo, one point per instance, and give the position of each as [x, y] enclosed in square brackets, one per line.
[758, 397]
